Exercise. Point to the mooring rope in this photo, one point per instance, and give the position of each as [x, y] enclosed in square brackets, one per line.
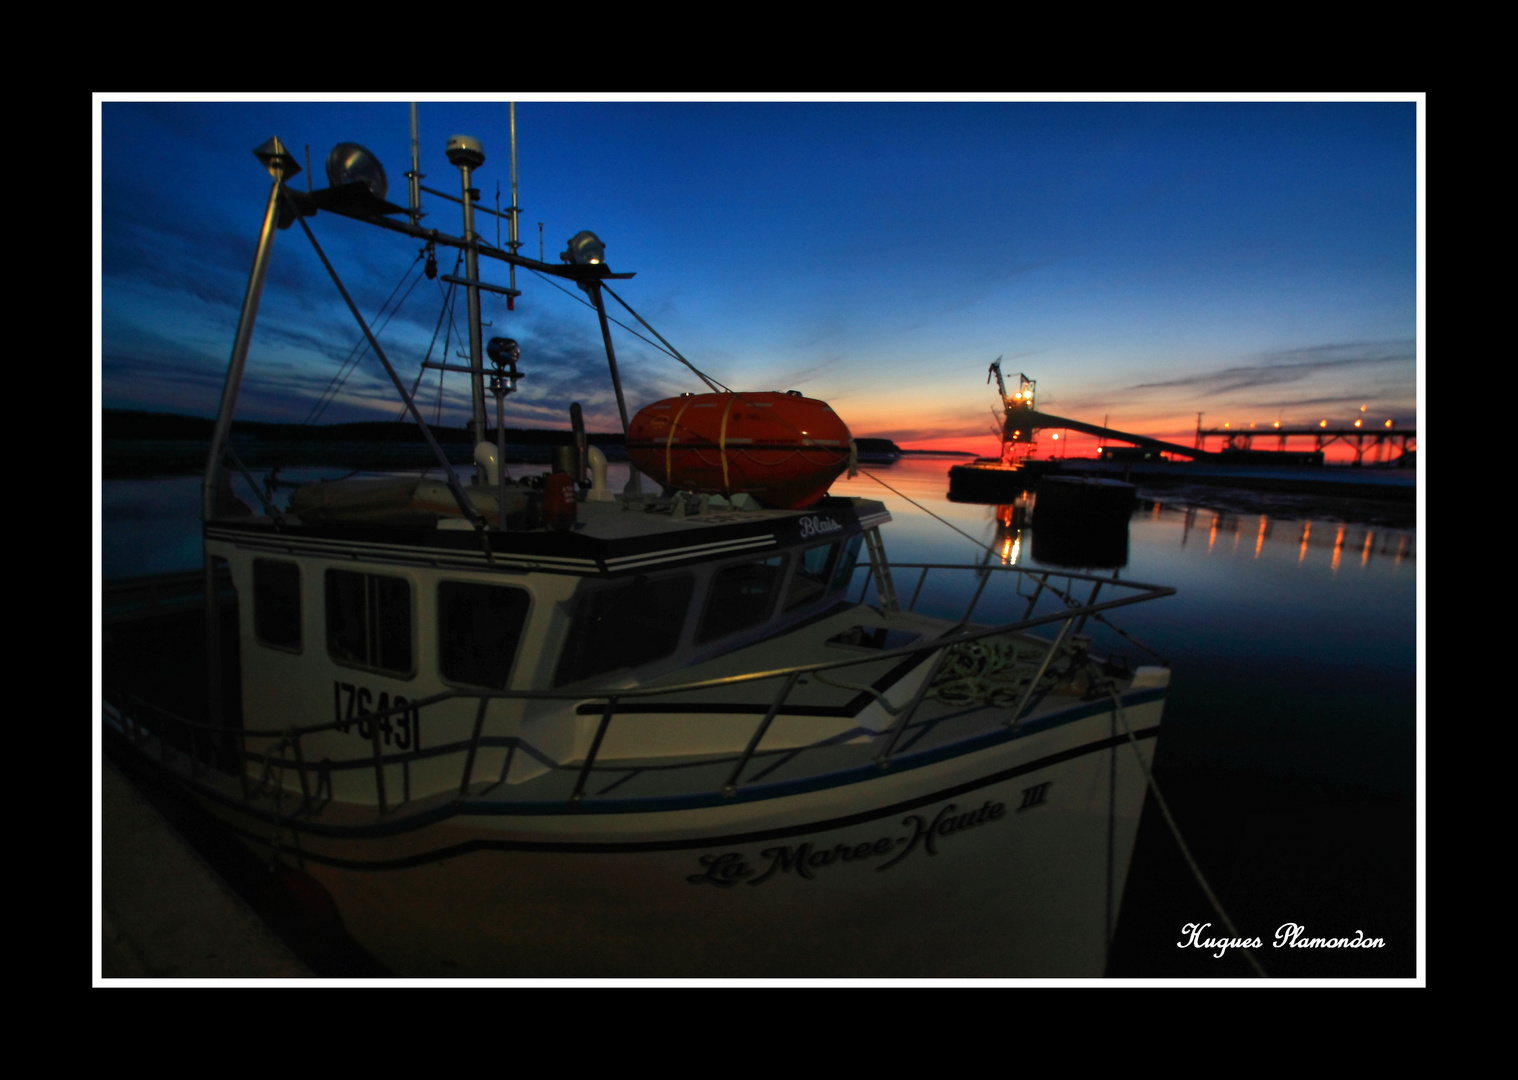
[1175, 831]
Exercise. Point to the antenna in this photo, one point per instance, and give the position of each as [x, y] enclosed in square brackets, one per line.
[415, 175]
[515, 242]
[466, 154]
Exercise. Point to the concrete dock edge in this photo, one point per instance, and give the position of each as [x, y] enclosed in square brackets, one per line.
[164, 912]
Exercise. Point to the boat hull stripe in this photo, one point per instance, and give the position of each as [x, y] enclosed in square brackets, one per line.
[726, 840]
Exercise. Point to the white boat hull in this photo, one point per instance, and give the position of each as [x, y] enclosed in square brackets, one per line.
[1007, 861]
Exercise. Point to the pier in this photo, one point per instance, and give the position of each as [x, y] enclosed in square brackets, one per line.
[1238, 442]
[1355, 436]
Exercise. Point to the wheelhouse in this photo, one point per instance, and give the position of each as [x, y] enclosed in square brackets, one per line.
[373, 629]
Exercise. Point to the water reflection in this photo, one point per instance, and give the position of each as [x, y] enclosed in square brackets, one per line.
[1336, 537]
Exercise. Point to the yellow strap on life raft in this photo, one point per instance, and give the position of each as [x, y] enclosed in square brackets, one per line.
[722, 446]
[669, 443]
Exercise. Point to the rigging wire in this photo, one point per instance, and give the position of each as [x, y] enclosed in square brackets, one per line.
[450, 301]
[661, 348]
[361, 347]
[448, 294]
[672, 350]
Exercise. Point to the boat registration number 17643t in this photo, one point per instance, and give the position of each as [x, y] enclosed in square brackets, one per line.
[354, 708]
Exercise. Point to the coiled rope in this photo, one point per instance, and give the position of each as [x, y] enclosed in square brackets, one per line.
[989, 672]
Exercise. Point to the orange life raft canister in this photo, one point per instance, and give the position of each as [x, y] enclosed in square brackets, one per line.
[782, 449]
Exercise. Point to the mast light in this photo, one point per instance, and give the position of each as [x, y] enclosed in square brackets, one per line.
[585, 249]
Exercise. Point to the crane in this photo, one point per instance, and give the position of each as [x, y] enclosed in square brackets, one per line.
[1015, 427]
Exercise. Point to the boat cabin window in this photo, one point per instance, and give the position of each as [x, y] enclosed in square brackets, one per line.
[479, 627]
[741, 596]
[812, 575]
[369, 621]
[625, 625]
[276, 603]
[845, 568]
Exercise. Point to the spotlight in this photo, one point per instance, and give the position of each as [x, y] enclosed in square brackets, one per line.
[350, 163]
[585, 249]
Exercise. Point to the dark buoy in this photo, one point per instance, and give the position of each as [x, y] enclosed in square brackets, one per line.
[1081, 522]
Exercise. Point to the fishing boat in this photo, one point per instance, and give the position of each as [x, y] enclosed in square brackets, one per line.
[536, 727]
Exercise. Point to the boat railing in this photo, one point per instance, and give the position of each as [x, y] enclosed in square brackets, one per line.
[1044, 581]
[281, 751]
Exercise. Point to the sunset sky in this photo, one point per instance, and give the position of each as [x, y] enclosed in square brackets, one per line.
[1147, 260]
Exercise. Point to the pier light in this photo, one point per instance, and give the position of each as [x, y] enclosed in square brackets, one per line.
[1278, 423]
[585, 249]
[1388, 423]
[350, 163]
[1357, 423]
[1362, 408]
[1322, 423]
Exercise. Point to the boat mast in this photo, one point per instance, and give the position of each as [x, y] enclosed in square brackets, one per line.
[466, 153]
[414, 177]
[282, 166]
[514, 242]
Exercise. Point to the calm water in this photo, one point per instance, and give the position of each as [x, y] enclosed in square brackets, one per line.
[1288, 752]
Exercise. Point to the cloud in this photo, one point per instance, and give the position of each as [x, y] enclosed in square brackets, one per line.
[1290, 366]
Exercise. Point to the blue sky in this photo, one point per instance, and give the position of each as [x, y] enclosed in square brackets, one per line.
[1146, 260]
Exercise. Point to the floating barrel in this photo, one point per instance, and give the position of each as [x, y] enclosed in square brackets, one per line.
[989, 480]
[1082, 522]
[782, 449]
[986, 480]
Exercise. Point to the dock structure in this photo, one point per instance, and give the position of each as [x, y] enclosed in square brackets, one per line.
[165, 913]
[1359, 438]
[1234, 440]
[1039, 420]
